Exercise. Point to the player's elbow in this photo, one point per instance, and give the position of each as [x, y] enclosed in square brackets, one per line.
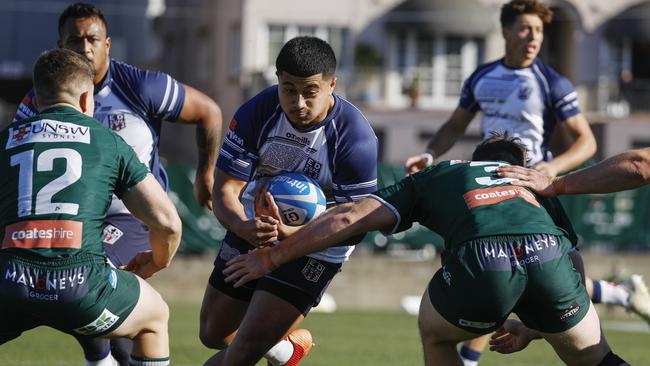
[641, 165]
[168, 223]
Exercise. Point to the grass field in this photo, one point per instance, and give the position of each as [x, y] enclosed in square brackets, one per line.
[344, 338]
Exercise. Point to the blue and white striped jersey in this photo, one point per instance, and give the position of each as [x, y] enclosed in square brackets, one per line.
[526, 103]
[340, 153]
[133, 103]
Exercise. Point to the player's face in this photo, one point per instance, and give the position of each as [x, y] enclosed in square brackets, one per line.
[305, 100]
[523, 40]
[87, 37]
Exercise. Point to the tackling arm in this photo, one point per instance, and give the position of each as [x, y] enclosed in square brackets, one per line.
[336, 225]
[148, 202]
[628, 170]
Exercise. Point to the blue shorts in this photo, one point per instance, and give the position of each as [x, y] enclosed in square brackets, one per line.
[301, 282]
[124, 237]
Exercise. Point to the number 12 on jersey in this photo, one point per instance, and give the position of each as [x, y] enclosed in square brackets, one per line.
[44, 163]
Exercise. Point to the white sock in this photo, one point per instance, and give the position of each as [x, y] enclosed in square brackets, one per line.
[106, 361]
[280, 353]
[613, 294]
[467, 362]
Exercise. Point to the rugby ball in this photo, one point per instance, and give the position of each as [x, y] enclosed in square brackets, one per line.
[298, 197]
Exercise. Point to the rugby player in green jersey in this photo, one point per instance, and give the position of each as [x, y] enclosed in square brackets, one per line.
[60, 170]
[504, 254]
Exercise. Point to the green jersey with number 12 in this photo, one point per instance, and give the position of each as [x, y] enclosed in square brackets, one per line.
[463, 200]
[60, 170]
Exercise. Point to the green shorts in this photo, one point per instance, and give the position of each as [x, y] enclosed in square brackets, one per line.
[482, 281]
[81, 295]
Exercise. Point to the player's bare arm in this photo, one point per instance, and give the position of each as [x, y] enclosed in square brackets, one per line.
[513, 336]
[342, 222]
[628, 170]
[148, 202]
[201, 110]
[444, 139]
[581, 150]
[259, 231]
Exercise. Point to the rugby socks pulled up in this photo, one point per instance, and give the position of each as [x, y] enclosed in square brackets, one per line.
[106, 361]
[609, 293]
[144, 361]
[280, 353]
[612, 359]
[469, 356]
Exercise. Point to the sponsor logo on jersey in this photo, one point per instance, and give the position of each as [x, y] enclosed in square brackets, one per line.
[47, 130]
[43, 234]
[103, 323]
[497, 256]
[111, 234]
[116, 122]
[569, 313]
[301, 139]
[312, 168]
[491, 196]
[44, 285]
[477, 325]
[313, 270]
[232, 136]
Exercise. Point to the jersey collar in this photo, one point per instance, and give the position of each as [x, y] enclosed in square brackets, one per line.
[107, 78]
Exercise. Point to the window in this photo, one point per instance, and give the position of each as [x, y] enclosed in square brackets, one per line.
[276, 41]
[337, 37]
[454, 65]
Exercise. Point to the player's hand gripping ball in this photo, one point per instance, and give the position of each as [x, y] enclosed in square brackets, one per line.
[298, 197]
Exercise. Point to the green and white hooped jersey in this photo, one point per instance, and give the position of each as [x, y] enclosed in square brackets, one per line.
[60, 170]
[464, 200]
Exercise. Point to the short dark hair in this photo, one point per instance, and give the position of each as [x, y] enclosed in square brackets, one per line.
[501, 147]
[61, 73]
[510, 11]
[306, 56]
[81, 10]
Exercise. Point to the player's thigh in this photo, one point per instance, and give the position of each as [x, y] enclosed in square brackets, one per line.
[150, 313]
[555, 300]
[583, 344]
[434, 328]
[220, 317]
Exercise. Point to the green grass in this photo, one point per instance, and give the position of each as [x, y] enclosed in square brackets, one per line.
[344, 338]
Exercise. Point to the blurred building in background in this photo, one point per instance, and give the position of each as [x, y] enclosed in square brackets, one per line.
[396, 56]
[402, 61]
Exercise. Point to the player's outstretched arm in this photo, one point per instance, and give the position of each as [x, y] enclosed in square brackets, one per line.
[148, 202]
[512, 336]
[201, 110]
[259, 231]
[581, 150]
[336, 225]
[628, 170]
[444, 139]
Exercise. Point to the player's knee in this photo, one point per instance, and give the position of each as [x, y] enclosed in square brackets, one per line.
[212, 340]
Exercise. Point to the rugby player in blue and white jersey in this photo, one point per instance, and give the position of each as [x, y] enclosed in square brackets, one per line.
[299, 125]
[521, 95]
[134, 103]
